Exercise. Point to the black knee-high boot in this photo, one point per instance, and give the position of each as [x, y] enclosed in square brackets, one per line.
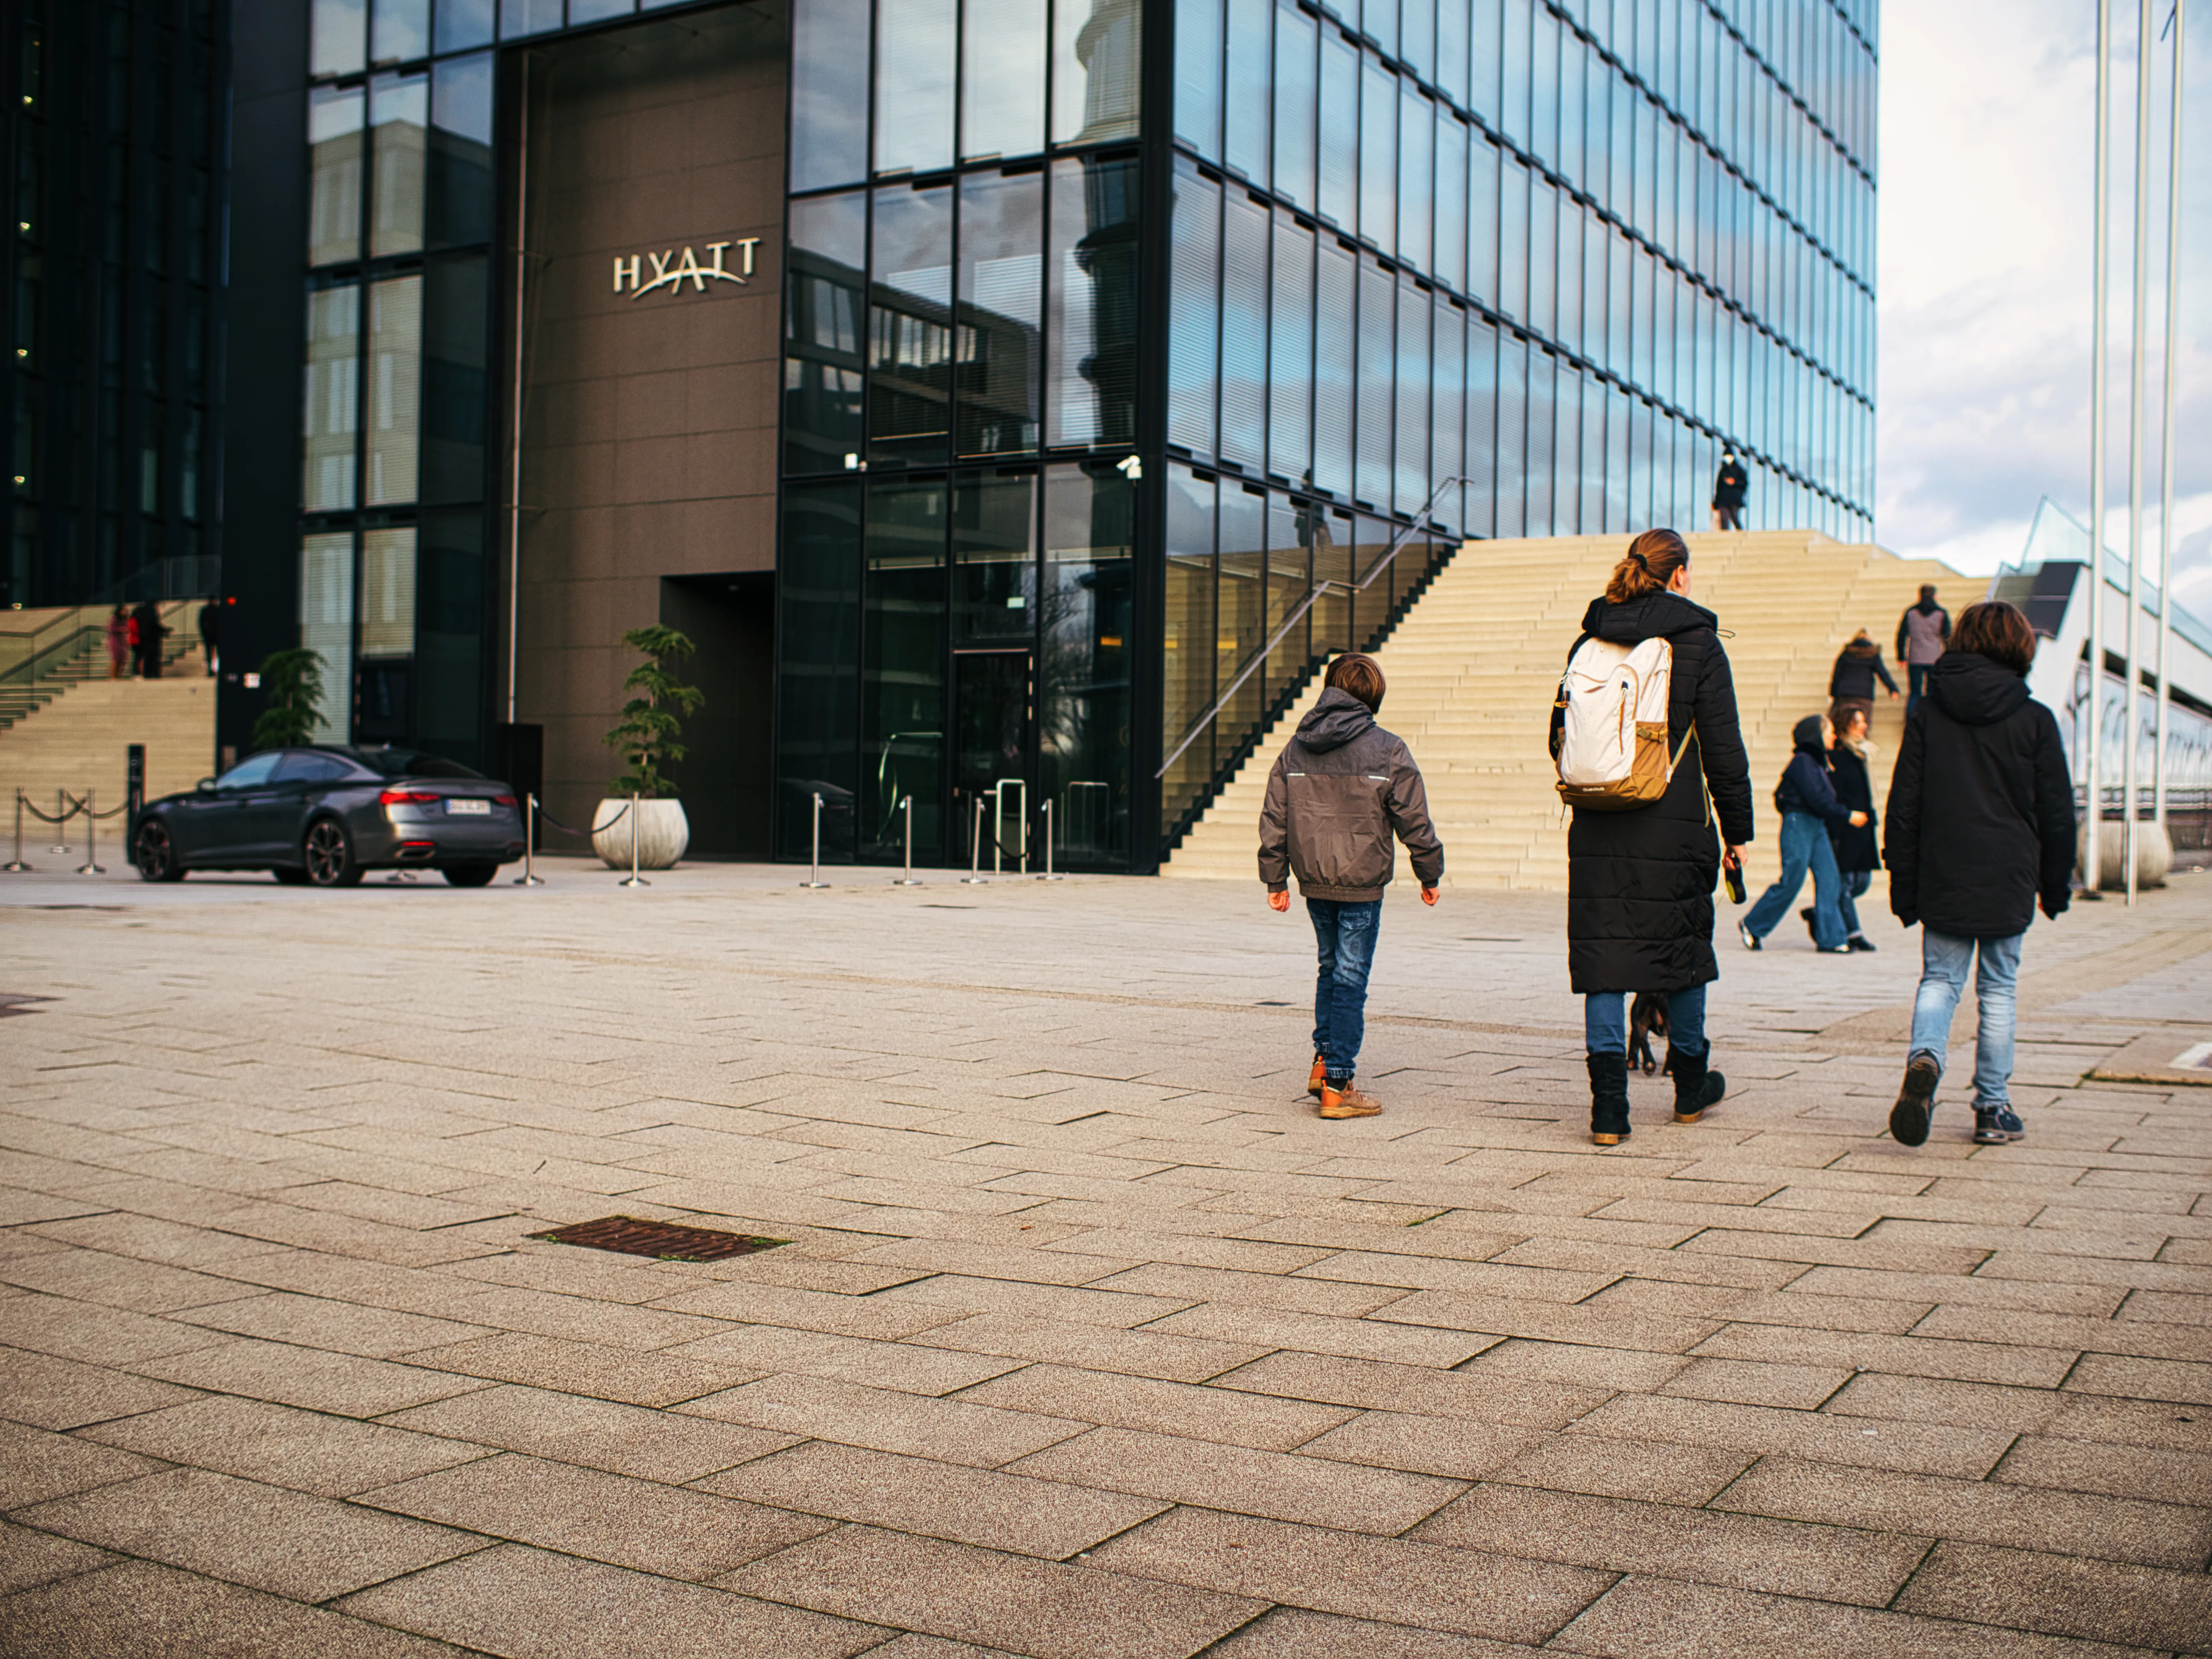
[1696, 1086]
[1609, 1078]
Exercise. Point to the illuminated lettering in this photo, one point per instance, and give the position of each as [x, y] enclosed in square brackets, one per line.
[671, 269]
[625, 268]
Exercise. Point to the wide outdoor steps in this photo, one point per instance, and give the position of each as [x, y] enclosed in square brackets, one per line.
[1474, 666]
[80, 741]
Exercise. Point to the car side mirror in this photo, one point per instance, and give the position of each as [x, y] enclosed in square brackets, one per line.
[205, 786]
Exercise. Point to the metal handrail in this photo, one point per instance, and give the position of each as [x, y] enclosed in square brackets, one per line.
[1313, 597]
[41, 660]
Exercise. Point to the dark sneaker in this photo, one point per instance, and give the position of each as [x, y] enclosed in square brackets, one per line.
[1345, 1100]
[1916, 1102]
[1994, 1126]
[1317, 1077]
[1860, 942]
[1750, 939]
[1805, 915]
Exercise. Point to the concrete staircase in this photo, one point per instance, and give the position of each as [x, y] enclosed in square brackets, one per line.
[1474, 667]
[74, 735]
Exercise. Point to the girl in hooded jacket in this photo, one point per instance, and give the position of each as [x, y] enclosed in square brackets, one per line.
[1807, 800]
[1640, 884]
[1980, 832]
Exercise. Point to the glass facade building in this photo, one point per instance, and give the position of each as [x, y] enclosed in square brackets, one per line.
[1120, 342]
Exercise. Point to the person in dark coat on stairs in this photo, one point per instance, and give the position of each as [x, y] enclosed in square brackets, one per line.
[1850, 682]
[1981, 832]
[1806, 798]
[1640, 883]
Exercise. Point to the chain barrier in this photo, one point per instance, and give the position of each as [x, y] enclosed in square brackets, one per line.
[65, 808]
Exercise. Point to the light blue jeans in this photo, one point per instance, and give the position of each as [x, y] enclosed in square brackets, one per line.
[1805, 847]
[1605, 1021]
[1944, 960]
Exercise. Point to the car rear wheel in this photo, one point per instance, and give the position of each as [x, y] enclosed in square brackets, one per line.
[470, 875]
[329, 854]
[155, 853]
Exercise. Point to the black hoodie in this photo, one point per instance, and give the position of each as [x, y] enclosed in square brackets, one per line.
[1640, 884]
[1981, 807]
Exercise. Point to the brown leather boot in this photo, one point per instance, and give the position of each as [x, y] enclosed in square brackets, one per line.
[1317, 1077]
[1348, 1101]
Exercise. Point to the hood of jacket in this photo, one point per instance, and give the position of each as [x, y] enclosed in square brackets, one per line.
[1655, 616]
[1806, 735]
[1973, 691]
[1335, 721]
[1862, 646]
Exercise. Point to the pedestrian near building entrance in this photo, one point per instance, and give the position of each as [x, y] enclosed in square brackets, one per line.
[1924, 633]
[211, 635]
[1339, 791]
[119, 640]
[1981, 832]
[1731, 488]
[1640, 875]
[1850, 682]
[1806, 798]
[1857, 850]
[147, 633]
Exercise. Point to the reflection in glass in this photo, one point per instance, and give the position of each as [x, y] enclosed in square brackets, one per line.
[1095, 86]
[520, 17]
[1486, 91]
[1482, 428]
[1001, 293]
[822, 360]
[1447, 450]
[1483, 209]
[829, 93]
[1290, 577]
[1511, 446]
[454, 405]
[1417, 25]
[1193, 308]
[395, 380]
[1541, 307]
[1290, 353]
[402, 31]
[1568, 323]
[1543, 374]
[1002, 49]
[1377, 301]
[399, 119]
[1187, 654]
[1242, 610]
[1092, 322]
[1378, 155]
[1338, 192]
[1566, 449]
[338, 38]
[1086, 653]
[461, 187]
[1328, 531]
[449, 605]
[1244, 330]
[1296, 103]
[335, 118]
[910, 324]
[332, 398]
[1453, 19]
[1336, 311]
[388, 593]
[463, 24]
[817, 650]
[1198, 33]
[994, 556]
[1593, 455]
[903, 667]
[1452, 137]
[1617, 474]
[592, 11]
[1245, 147]
[1417, 176]
[326, 626]
[1411, 484]
[915, 41]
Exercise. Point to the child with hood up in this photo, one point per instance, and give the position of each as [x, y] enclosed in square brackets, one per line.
[1807, 800]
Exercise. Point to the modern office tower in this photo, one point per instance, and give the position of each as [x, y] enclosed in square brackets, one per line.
[111, 145]
[1015, 398]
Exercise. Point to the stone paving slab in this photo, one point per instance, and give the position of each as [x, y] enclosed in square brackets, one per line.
[1089, 1339]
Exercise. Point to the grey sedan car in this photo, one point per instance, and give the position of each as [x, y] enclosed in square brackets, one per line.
[321, 815]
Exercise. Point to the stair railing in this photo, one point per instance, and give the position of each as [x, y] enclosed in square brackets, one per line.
[1314, 597]
[41, 661]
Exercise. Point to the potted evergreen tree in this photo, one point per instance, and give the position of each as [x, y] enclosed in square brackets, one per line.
[292, 684]
[647, 738]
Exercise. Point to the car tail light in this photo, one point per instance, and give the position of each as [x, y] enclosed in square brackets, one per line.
[503, 800]
[408, 798]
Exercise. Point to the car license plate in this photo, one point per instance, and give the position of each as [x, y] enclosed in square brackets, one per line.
[464, 804]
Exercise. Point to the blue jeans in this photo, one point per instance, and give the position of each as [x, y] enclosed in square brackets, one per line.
[1943, 963]
[1346, 934]
[1605, 1021]
[1856, 882]
[1915, 685]
[1804, 846]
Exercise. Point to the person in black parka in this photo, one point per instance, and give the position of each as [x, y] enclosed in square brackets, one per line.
[1640, 883]
[1981, 831]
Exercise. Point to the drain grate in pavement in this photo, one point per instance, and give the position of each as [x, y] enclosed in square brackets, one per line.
[664, 1239]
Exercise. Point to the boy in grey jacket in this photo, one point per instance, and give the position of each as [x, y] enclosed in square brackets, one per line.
[1341, 788]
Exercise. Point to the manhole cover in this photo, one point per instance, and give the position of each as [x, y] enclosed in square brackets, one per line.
[664, 1239]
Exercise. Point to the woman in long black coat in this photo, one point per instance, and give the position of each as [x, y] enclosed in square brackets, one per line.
[1640, 883]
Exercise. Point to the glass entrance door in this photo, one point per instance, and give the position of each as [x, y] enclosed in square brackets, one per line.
[994, 740]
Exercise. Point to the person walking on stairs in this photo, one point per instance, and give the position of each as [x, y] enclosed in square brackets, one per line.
[1924, 633]
[147, 631]
[1806, 798]
[211, 634]
[1640, 881]
[1858, 854]
[119, 640]
[1731, 488]
[1338, 793]
[1981, 832]
[1850, 682]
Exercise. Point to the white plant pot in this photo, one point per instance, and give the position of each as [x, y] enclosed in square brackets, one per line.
[2154, 855]
[662, 833]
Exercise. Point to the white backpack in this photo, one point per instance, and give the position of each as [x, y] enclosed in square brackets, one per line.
[1609, 736]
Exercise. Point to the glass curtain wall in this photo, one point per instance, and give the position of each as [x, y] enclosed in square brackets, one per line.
[396, 405]
[959, 513]
[1567, 252]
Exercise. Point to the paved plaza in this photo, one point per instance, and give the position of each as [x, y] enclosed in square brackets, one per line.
[1090, 1341]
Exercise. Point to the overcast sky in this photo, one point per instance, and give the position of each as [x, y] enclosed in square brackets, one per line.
[1987, 127]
